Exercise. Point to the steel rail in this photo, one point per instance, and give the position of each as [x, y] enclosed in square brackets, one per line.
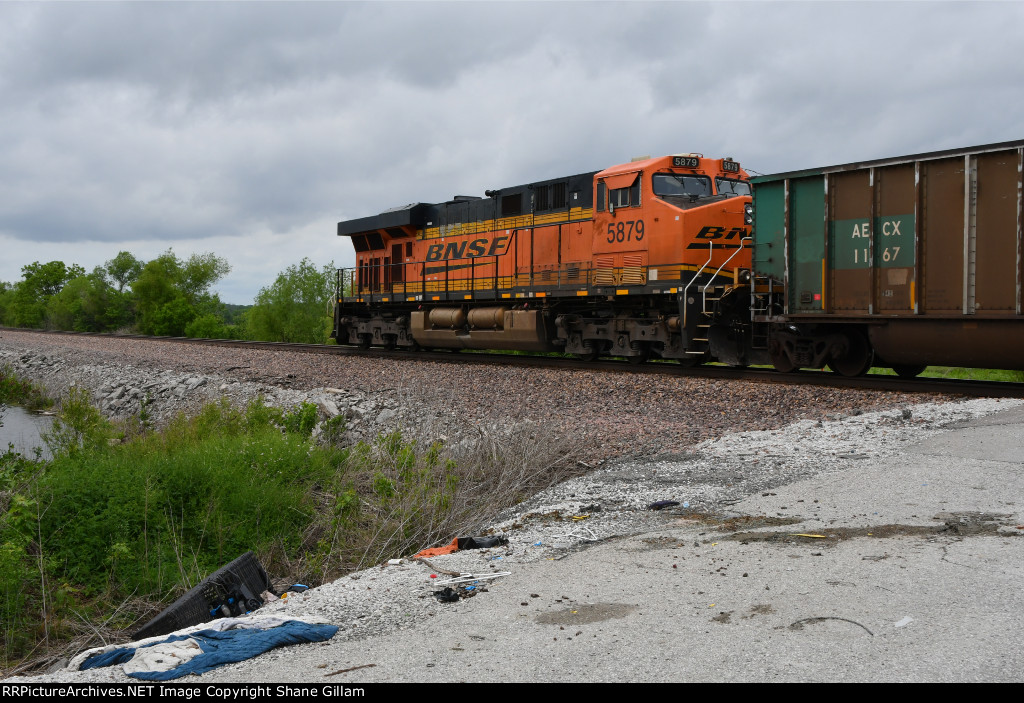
[880, 382]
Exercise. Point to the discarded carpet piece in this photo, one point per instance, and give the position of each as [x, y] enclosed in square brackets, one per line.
[198, 652]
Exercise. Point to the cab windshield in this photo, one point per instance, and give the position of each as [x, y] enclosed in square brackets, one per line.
[727, 186]
[681, 184]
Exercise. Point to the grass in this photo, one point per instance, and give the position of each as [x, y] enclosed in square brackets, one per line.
[125, 518]
[958, 372]
[18, 391]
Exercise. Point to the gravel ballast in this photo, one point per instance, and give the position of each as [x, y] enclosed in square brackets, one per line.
[602, 415]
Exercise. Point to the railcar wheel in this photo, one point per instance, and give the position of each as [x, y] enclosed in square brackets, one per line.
[390, 342]
[857, 359]
[364, 341]
[688, 362]
[908, 370]
[782, 362]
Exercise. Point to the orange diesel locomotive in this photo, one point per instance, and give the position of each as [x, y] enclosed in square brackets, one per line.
[636, 261]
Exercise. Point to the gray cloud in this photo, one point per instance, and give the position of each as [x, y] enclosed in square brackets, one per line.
[242, 124]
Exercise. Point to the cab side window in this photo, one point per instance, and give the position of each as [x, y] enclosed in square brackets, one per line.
[625, 197]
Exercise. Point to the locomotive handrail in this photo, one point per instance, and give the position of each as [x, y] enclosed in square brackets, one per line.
[349, 285]
[719, 270]
[711, 246]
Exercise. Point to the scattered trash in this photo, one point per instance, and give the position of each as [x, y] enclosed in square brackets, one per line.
[470, 578]
[448, 595]
[804, 534]
[452, 546]
[686, 504]
[799, 624]
[904, 622]
[351, 668]
[230, 591]
[482, 542]
[201, 648]
[463, 543]
[576, 534]
[658, 505]
[394, 562]
[580, 517]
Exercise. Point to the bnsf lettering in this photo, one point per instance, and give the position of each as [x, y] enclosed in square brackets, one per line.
[720, 233]
[467, 250]
[455, 250]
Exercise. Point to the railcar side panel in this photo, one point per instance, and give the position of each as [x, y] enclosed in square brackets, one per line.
[850, 227]
[894, 237]
[769, 255]
[806, 244]
[942, 237]
[996, 248]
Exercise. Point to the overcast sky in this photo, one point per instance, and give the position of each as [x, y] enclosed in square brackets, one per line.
[250, 129]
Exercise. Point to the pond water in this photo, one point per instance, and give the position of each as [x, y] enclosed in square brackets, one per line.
[22, 428]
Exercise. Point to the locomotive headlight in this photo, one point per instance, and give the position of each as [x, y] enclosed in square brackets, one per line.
[748, 214]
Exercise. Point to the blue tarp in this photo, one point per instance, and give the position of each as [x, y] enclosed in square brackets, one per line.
[220, 648]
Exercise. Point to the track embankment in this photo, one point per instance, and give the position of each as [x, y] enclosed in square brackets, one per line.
[597, 414]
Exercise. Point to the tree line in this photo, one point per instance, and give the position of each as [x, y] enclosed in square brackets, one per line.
[169, 296]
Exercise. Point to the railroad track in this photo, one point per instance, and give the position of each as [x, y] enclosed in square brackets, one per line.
[972, 388]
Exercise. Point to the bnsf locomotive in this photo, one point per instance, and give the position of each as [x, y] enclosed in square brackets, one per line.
[632, 261]
[902, 262]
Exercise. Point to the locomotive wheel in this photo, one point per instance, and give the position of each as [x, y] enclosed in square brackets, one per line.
[643, 356]
[857, 359]
[691, 361]
[908, 370]
[594, 351]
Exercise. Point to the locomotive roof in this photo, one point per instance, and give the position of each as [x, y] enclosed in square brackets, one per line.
[418, 214]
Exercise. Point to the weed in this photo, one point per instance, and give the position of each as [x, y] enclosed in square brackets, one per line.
[18, 391]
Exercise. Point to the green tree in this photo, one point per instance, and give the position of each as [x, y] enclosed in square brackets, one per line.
[296, 307]
[123, 269]
[6, 296]
[84, 304]
[170, 293]
[26, 305]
